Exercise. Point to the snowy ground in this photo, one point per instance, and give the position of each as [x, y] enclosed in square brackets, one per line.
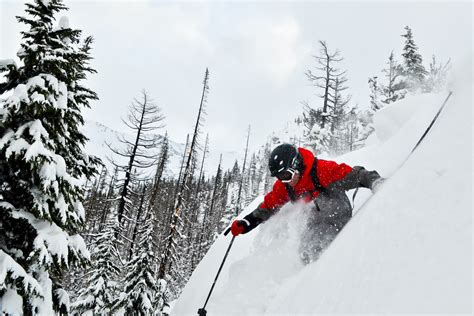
[408, 250]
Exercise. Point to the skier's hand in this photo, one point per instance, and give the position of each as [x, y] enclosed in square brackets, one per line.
[239, 227]
[377, 184]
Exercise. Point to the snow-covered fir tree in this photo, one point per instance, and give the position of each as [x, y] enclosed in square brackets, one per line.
[395, 87]
[409, 76]
[375, 91]
[231, 207]
[42, 163]
[142, 293]
[101, 286]
[318, 139]
[95, 200]
[254, 179]
[209, 230]
[437, 76]
[339, 116]
[413, 68]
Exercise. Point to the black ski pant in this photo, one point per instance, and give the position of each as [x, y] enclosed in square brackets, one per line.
[332, 210]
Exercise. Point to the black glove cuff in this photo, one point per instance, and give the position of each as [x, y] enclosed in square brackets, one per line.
[368, 178]
[251, 221]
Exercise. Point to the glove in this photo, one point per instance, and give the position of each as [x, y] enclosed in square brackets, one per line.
[239, 227]
[376, 184]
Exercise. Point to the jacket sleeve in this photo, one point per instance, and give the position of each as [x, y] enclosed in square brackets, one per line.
[343, 177]
[330, 172]
[272, 201]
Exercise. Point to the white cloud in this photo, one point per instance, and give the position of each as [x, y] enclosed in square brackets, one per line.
[183, 26]
[274, 46]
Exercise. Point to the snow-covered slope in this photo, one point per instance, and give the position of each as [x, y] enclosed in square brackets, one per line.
[408, 250]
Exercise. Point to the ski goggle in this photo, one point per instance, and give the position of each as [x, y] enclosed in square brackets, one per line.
[286, 175]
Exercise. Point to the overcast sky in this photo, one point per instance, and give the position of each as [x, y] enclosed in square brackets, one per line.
[257, 53]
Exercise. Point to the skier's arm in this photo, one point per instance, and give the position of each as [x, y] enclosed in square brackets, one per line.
[342, 177]
[271, 203]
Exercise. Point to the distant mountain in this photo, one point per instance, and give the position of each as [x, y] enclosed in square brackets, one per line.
[100, 135]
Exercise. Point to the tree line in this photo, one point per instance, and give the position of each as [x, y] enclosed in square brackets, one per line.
[338, 125]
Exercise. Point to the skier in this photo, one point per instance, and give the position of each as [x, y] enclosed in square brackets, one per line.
[300, 175]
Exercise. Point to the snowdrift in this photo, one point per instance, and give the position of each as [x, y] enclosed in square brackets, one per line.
[408, 250]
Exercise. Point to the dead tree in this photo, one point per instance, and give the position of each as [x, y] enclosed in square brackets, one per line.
[144, 119]
[138, 221]
[160, 168]
[241, 184]
[169, 255]
[209, 225]
[325, 79]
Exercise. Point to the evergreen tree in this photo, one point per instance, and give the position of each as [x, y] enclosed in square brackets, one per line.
[268, 180]
[413, 68]
[339, 115]
[231, 202]
[351, 131]
[365, 126]
[243, 184]
[95, 200]
[318, 139]
[109, 201]
[101, 286]
[210, 220]
[375, 103]
[253, 180]
[437, 75]
[141, 290]
[395, 88]
[42, 162]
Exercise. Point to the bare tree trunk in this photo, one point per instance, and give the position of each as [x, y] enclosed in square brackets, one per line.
[237, 208]
[206, 225]
[202, 165]
[167, 260]
[137, 223]
[110, 193]
[124, 193]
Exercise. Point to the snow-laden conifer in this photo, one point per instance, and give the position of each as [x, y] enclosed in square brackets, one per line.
[142, 294]
[42, 162]
[413, 68]
[395, 86]
[101, 288]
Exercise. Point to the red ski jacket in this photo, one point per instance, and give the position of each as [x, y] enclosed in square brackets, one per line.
[327, 171]
[330, 175]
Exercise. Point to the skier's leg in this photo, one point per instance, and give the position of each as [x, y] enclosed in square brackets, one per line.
[310, 245]
[315, 241]
[334, 211]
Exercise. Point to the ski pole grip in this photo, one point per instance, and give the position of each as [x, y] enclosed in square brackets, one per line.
[227, 231]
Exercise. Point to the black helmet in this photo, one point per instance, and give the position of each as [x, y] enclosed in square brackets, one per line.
[283, 157]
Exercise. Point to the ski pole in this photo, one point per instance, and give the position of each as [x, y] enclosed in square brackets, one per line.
[202, 311]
